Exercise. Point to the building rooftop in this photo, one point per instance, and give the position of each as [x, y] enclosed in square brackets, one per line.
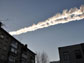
[15, 39]
[71, 45]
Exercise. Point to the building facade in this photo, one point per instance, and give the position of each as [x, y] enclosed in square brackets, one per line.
[12, 51]
[72, 54]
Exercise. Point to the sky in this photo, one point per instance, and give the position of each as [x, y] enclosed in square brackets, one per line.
[24, 13]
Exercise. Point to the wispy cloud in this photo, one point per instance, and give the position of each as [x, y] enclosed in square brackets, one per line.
[66, 16]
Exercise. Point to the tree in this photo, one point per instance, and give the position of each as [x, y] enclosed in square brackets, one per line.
[38, 58]
[42, 58]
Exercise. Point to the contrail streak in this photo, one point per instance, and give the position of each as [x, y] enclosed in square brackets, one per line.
[66, 16]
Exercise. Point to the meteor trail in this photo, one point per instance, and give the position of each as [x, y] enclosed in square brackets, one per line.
[66, 16]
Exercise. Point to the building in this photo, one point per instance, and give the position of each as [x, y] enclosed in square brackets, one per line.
[13, 51]
[72, 54]
[55, 62]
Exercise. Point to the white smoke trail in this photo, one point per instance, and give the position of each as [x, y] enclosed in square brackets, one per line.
[73, 14]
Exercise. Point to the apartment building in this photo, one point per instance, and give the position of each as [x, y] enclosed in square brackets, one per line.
[72, 53]
[13, 51]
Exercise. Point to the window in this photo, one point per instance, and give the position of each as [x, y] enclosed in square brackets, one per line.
[2, 57]
[82, 46]
[5, 47]
[78, 54]
[24, 56]
[1, 36]
[32, 61]
[66, 56]
[24, 60]
[13, 50]
[14, 44]
[83, 51]
[14, 47]
[12, 59]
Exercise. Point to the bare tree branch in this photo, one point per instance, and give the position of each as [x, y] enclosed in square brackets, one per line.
[42, 58]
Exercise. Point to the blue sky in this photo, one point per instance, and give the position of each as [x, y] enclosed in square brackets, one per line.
[24, 13]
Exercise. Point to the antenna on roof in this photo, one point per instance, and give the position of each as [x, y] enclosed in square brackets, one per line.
[1, 22]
